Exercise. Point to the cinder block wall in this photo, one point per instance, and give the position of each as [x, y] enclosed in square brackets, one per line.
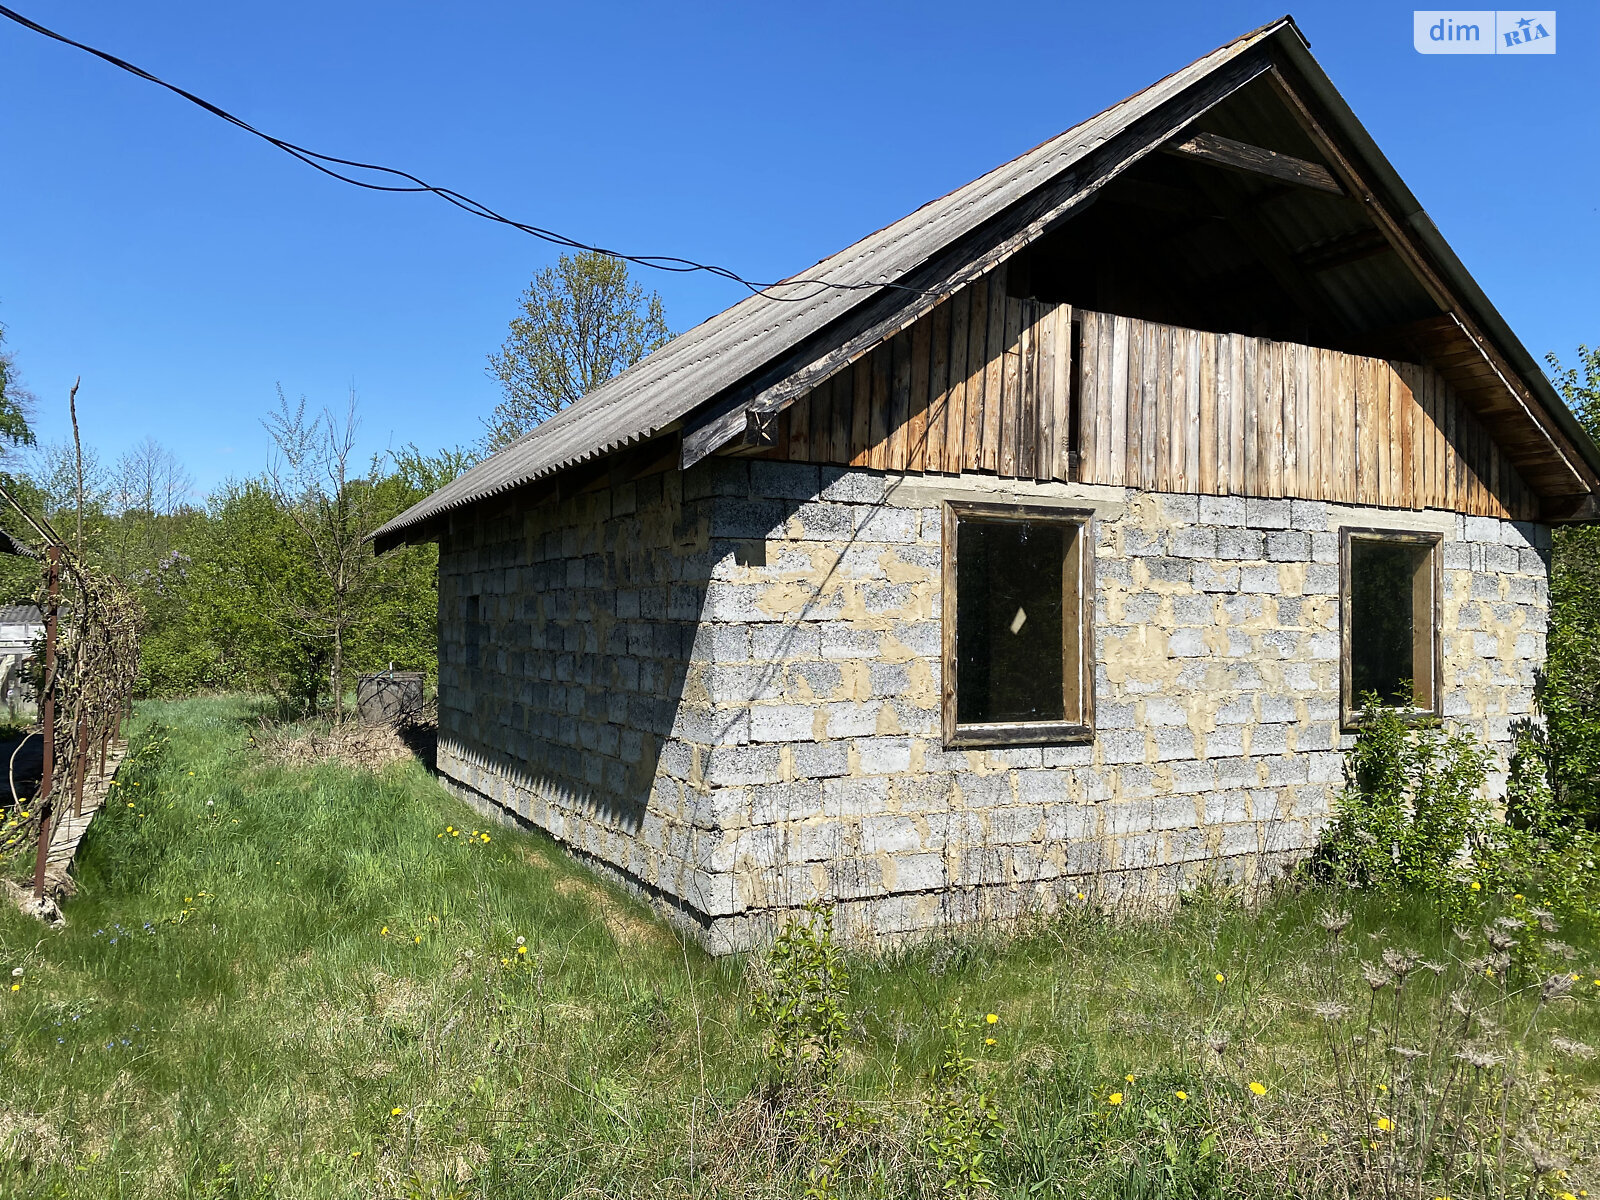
[790, 620]
[565, 631]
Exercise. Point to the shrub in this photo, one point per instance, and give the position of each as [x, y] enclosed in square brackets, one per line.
[1412, 807]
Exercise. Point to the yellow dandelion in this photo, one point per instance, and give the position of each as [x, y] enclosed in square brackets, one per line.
[16, 987]
[992, 1018]
[1114, 1098]
[397, 1111]
[988, 1041]
[1385, 1124]
[522, 949]
[384, 932]
[1476, 886]
[1383, 1087]
[1259, 1089]
[455, 833]
[1181, 1095]
[505, 962]
[1518, 896]
[1081, 896]
[1128, 1078]
[1221, 978]
[1567, 1196]
[417, 940]
[486, 837]
[353, 1153]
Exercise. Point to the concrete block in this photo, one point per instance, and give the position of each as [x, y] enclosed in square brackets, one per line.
[1267, 514]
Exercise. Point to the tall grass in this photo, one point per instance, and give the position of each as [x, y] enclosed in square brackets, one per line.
[325, 982]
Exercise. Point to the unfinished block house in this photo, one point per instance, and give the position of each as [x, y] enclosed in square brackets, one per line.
[1057, 559]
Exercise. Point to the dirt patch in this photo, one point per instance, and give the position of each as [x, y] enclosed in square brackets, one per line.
[627, 928]
[353, 743]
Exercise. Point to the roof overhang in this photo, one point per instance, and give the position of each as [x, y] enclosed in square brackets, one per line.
[730, 375]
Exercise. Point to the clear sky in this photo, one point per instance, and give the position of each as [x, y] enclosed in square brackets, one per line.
[184, 268]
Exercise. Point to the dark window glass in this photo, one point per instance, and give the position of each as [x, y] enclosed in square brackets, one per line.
[1009, 621]
[1382, 628]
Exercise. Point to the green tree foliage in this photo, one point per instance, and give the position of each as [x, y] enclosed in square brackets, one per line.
[14, 401]
[1569, 691]
[580, 322]
[244, 590]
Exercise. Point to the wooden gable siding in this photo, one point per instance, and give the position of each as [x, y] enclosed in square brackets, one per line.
[990, 383]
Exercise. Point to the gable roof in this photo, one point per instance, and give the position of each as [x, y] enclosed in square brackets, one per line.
[768, 348]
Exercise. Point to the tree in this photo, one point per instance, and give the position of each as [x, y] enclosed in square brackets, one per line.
[1569, 688]
[149, 479]
[15, 401]
[581, 322]
[313, 478]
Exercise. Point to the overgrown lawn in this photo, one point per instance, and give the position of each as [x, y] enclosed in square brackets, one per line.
[327, 982]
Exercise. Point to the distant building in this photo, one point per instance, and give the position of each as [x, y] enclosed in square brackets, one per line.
[1054, 552]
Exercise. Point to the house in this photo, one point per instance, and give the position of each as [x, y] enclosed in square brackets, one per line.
[1051, 553]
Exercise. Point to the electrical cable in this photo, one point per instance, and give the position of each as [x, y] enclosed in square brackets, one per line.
[329, 165]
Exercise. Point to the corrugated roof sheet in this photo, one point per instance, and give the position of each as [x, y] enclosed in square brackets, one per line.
[701, 364]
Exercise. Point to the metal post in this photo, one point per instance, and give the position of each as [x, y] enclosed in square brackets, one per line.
[79, 764]
[48, 717]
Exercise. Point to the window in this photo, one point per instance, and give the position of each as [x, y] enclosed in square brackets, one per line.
[1018, 605]
[1389, 600]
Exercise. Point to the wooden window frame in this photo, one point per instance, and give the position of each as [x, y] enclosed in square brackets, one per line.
[1349, 715]
[1077, 646]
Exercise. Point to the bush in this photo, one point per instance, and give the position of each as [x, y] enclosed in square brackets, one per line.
[1412, 808]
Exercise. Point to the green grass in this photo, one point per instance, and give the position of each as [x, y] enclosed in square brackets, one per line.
[225, 1015]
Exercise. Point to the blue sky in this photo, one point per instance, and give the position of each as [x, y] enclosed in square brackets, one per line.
[185, 269]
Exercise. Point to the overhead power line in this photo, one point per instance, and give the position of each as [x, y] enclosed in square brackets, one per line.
[395, 180]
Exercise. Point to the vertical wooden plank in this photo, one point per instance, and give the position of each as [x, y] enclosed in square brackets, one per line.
[843, 404]
[1064, 363]
[977, 373]
[1308, 426]
[1022, 400]
[1316, 432]
[899, 399]
[1122, 385]
[921, 370]
[861, 412]
[1043, 442]
[1151, 380]
[1168, 389]
[1205, 437]
[1272, 450]
[1344, 429]
[1250, 480]
[938, 387]
[1365, 445]
[1010, 390]
[1093, 416]
[955, 425]
[1388, 440]
[1327, 385]
[1305, 435]
[799, 414]
[1289, 485]
[839, 402]
[1191, 429]
[882, 388]
[1436, 439]
[994, 375]
[1138, 333]
[1452, 450]
[1227, 405]
[1110, 425]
